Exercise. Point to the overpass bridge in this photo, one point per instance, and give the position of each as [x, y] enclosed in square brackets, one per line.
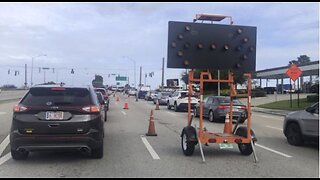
[279, 73]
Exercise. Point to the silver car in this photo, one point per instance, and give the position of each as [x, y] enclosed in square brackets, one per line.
[300, 126]
[162, 98]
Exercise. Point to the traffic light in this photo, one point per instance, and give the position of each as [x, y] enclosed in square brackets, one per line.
[211, 46]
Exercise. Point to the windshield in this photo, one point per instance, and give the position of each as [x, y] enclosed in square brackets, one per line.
[48, 96]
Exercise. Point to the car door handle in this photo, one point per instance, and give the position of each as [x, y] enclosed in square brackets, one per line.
[53, 125]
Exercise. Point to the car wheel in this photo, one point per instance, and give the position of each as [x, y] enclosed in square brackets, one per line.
[242, 120]
[19, 155]
[98, 152]
[211, 116]
[186, 144]
[293, 134]
[195, 114]
[168, 105]
[175, 107]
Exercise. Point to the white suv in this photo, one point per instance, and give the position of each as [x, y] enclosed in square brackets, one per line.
[179, 100]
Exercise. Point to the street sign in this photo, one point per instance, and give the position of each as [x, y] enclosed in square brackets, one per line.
[211, 46]
[172, 82]
[294, 72]
[121, 78]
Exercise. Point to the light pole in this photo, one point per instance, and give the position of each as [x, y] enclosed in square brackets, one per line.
[31, 84]
[134, 63]
[44, 73]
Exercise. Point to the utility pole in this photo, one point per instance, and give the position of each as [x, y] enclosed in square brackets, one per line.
[218, 82]
[140, 76]
[44, 74]
[31, 83]
[25, 76]
[162, 82]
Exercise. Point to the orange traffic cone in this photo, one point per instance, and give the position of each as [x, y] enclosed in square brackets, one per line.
[226, 128]
[151, 131]
[126, 104]
[157, 105]
[118, 99]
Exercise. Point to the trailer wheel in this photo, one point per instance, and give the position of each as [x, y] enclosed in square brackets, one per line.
[245, 148]
[186, 144]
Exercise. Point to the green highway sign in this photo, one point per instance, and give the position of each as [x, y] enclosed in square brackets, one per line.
[121, 78]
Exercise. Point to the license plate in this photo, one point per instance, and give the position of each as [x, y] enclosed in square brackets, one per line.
[225, 146]
[57, 115]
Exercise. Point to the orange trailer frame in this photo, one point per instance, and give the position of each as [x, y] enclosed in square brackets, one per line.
[228, 136]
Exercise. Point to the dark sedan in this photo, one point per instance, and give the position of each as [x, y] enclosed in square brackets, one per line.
[216, 107]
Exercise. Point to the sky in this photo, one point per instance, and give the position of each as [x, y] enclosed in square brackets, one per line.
[116, 38]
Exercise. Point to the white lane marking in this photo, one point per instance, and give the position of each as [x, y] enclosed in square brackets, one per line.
[274, 128]
[124, 113]
[4, 144]
[171, 113]
[5, 158]
[149, 147]
[274, 151]
[2, 113]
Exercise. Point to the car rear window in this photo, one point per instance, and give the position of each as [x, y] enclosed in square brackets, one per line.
[57, 97]
[102, 91]
[185, 94]
[227, 101]
[165, 94]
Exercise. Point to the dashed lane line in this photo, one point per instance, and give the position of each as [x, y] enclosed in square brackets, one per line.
[4, 144]
[274, 128]
[274, 151]
[149, 147]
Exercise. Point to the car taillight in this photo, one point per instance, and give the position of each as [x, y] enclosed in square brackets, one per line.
[105, 96]
[19, 108]
[91, 109]
[243, 107]
[223, 107]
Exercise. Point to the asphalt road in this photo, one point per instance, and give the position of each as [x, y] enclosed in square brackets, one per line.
[126, 153]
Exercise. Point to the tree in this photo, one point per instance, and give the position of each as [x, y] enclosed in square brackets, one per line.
[302, 59]
[98, 81]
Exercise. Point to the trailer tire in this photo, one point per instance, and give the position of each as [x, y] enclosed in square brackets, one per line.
[245, 148]
[186, 144]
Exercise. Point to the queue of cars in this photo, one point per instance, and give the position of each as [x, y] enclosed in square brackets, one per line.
[59, 117]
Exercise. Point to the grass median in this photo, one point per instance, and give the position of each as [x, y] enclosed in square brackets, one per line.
[285, 105]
